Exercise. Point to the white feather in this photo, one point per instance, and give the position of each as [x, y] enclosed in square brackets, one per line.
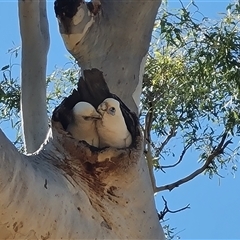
[83, 126]
[112, 129]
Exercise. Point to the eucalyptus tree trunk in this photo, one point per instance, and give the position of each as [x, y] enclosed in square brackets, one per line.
[67, 189]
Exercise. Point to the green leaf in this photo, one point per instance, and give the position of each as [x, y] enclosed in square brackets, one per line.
[5, 67]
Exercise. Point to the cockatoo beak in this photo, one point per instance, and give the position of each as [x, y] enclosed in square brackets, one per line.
[96, 116]
[93, 117]
[102, 108]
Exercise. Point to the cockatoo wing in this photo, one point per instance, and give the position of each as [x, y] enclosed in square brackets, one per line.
[130, 117]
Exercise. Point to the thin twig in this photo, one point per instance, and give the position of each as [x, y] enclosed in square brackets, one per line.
[180, 158]
[215, 152]
[148, 124]
[172, 133]
[166, 209]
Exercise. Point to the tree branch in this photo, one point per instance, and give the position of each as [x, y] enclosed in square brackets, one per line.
[166, 209]
[180, 158]
[8, 158]
[35, 44]
[172, 133]
[148, 123]
[147, 142]
[215, 152]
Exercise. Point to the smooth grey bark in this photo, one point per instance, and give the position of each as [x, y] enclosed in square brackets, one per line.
[35, 44]
[114, 41]
[53, 195]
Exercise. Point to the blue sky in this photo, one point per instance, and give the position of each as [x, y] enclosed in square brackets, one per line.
[215, 203]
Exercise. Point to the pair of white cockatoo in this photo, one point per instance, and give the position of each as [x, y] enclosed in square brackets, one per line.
[104, 127]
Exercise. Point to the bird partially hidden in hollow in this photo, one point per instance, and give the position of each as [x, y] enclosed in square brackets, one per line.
[115, 124]
[83, 125]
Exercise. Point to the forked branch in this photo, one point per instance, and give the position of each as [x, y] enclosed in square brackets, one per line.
[180, 158]
[166, 209]
[172, 133]
[215, 152]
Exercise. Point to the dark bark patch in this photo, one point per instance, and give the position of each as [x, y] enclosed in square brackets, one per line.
[94, 7]
[106, 225]
[67, 8]
[65, 11]
[111, 191]
[89, 167]
[46, 237]
[17, 226]
[45, 183]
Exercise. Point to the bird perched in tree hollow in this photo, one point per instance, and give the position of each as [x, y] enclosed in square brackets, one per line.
[83, 126]
[93, 89]
[112, 128]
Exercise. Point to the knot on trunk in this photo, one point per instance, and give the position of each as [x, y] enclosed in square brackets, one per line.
[75, 17]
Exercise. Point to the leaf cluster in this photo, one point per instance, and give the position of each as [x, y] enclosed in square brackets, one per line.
[191, 83]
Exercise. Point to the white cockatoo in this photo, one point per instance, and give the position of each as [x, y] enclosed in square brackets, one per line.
[83, 126]
[119, 126]
[112, 128]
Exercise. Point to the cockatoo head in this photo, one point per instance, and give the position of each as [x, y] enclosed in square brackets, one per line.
[86, 111]
[109, 106]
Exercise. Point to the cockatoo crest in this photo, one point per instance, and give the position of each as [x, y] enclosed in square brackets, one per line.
[110, 106]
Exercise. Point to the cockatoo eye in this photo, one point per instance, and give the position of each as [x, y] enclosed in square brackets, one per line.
[112, 111]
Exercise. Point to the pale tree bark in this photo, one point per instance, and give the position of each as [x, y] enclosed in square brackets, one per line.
[67, 189]
[115, 41]
[35, 43]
